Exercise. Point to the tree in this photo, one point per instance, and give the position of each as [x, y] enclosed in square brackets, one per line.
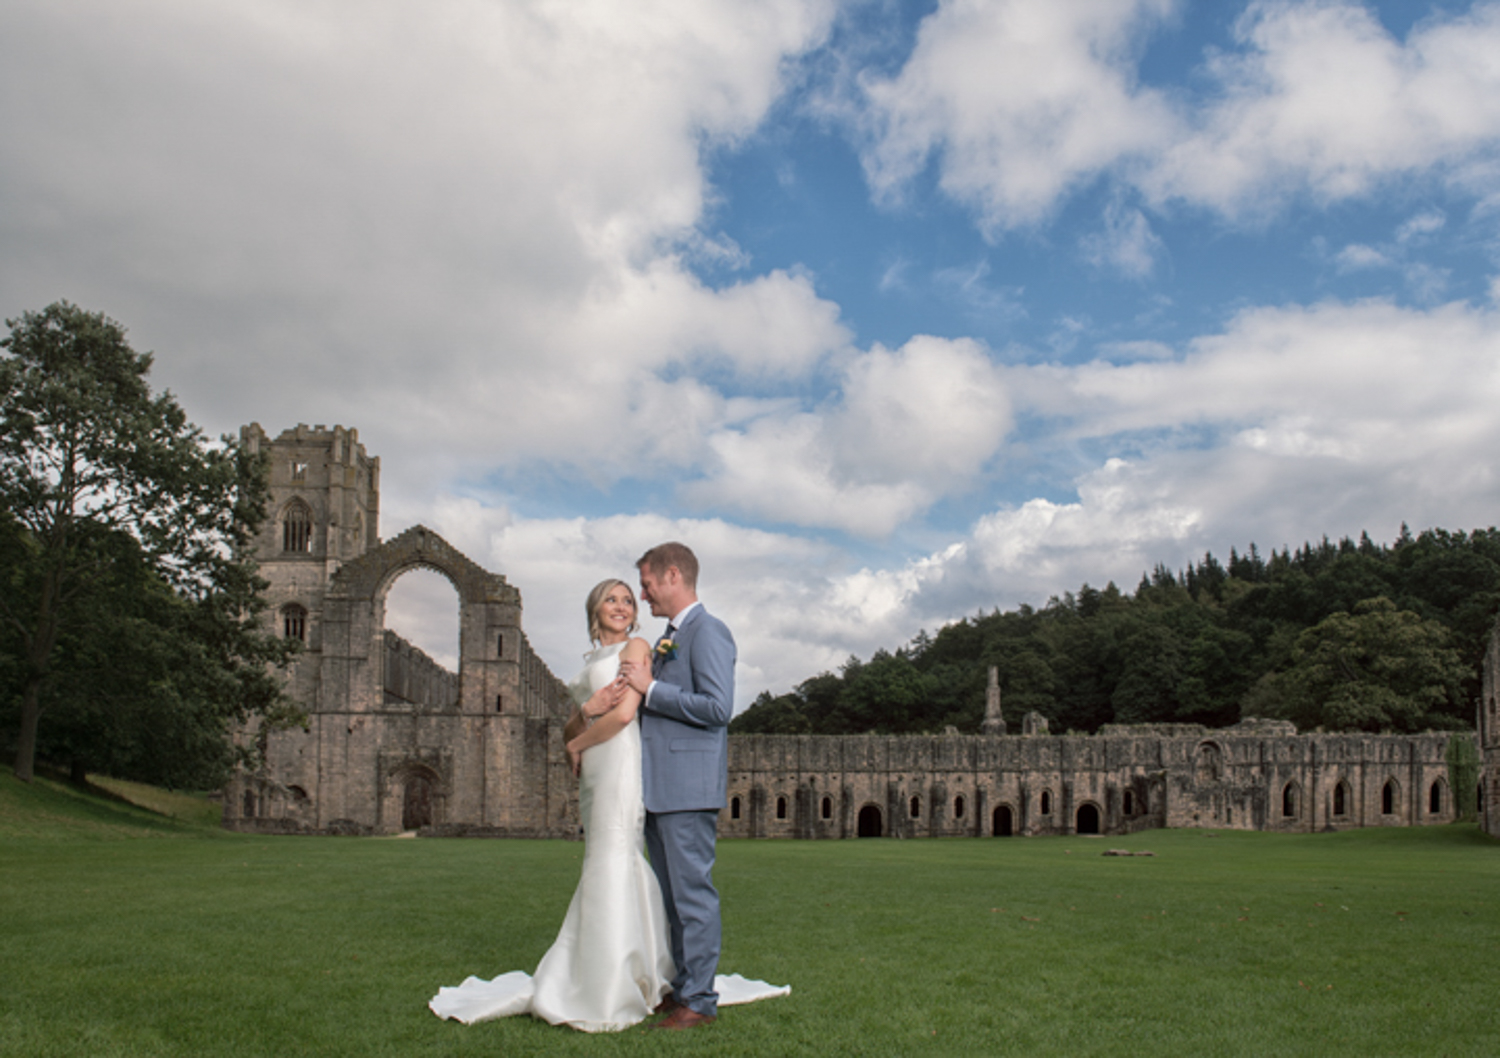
[1376, 669]
[125, 542]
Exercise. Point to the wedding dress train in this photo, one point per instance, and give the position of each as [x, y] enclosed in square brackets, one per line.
[612, 960]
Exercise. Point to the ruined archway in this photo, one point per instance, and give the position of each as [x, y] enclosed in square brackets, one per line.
[870, 823]
[417, 745]
[489, 644]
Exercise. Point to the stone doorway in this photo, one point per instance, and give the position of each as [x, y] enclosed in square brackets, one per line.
[1088, 820]
[416, 804]
[1002, 823]
[870, 824]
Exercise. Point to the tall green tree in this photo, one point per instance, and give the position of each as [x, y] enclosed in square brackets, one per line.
[1376, 669]
[125, 544]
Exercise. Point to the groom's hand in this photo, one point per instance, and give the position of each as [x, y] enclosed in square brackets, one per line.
[636, 676]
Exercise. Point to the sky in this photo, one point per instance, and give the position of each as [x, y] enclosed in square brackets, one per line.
[894, 312]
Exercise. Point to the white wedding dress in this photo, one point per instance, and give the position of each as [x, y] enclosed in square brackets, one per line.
[612, 960]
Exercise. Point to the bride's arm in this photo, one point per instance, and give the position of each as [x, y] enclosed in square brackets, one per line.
[613, 722]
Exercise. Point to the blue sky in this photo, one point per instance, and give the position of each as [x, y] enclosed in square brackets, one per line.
[894, 312]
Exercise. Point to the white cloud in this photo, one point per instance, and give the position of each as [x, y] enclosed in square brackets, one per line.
[1323, 100]
[1427, 222]
[1021, 102]
[907, 427]
[1127, 243]
[1357, 257]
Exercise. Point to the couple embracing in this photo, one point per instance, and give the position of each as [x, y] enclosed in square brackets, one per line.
[649, 744]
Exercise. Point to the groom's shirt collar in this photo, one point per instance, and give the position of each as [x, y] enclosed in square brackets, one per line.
[676, 622]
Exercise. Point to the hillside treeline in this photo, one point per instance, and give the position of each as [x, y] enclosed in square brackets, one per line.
[1347, 636]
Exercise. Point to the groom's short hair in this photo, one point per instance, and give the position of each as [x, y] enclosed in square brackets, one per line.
[664, 556]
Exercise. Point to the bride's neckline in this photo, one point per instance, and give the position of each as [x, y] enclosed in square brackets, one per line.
[604, 648]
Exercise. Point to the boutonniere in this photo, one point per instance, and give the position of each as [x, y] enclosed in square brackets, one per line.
[666, 650]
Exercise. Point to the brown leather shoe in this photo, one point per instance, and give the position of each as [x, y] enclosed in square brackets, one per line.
[684, 1018]
[667, 1005]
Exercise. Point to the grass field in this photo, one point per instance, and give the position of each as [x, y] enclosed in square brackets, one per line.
[128, 933]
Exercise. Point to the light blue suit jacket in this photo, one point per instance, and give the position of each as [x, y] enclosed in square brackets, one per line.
[685, 723]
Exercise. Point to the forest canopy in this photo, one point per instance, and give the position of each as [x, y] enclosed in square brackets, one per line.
[1347, 636]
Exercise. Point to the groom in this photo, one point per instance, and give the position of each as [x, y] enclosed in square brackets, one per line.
[687, 706]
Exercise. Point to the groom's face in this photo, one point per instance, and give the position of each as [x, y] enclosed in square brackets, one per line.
[656, 590]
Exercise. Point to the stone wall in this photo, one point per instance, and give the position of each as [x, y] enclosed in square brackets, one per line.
[1256, 776]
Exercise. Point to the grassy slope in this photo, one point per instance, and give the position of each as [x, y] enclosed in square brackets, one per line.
[1370, 942]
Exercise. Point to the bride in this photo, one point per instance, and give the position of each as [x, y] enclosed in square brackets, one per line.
[612, 962]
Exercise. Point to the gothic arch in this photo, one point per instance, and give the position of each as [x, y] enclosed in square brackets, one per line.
[497, 671]
[1390, 797]
[1291, 800]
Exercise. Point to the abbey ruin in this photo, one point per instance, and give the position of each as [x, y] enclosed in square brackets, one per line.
[394, 742]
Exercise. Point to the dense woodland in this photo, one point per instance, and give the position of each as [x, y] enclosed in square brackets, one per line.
[1347, 636]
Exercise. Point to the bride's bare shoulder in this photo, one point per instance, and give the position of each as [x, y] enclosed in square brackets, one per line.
[636, 650]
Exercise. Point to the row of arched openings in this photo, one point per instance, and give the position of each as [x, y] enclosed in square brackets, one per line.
[1002, 821]
[871, 821]
[825, 808]
[1343, 798]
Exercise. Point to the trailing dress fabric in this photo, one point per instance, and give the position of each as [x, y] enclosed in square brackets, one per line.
[612, 961]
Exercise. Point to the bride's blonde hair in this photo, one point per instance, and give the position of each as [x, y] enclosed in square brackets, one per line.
[596, 598]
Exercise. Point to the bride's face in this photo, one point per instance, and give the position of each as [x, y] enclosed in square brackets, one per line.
[616, 614]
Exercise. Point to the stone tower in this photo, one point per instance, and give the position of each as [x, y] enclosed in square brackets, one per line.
[324, 510]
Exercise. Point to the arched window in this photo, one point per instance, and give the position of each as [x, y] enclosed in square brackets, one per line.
[294, 621]
[249, 806]
[1435, 798]
[1388, 797]
[916, 807]
[296, 528]
[1127, 803]
[734, 808]
[781, 808]
[1046, 802]
[958, 807]
[1289, 800]
[828, 808]
[1341, 799]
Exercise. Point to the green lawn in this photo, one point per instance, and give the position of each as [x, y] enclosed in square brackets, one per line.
[126, 933]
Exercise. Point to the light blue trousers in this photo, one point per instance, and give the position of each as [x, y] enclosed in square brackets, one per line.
[681, 846]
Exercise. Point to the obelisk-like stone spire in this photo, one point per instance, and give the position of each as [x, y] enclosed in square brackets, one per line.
[994, 723]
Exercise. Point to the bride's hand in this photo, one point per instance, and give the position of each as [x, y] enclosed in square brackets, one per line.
[603, 700]
[575, 760]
